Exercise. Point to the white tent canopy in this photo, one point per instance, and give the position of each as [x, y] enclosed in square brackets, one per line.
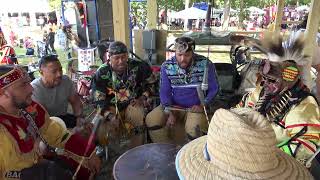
[255, 10]
[302, 8]
[171, 13]
[190, 13]
[22, 6]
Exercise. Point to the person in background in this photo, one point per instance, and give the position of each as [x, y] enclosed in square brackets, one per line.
[50, 41]
[41, 22]
[72, 39]
[7, 53]
[2, 38]
[28, 44]
[12, 38]
[45, 40]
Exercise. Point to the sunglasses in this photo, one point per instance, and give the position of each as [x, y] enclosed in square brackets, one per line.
[269, 79]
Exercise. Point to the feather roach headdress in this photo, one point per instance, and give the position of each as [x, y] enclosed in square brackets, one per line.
[279, 50]
[284, 57]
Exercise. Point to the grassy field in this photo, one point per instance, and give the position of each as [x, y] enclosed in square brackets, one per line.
[214, 57]
[27, 60]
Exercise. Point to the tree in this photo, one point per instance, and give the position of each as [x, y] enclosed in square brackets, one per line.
[139, 10]
[226, 15]
[55, 5]
[175, 5]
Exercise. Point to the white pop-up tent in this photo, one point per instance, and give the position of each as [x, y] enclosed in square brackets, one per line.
[24, 6]
[190, 13]
[255, 10]
[303, 8]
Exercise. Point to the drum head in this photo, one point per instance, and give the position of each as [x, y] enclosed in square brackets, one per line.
[147, 162]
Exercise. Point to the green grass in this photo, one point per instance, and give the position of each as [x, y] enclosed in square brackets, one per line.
[214, 57]
[27, 60]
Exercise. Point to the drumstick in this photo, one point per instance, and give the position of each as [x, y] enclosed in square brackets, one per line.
[178, 109]
[309, 162]
[172, 108]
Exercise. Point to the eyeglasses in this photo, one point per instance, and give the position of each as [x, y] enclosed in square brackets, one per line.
[269, 79]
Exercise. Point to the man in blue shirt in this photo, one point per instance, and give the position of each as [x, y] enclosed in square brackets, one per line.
[180, 77]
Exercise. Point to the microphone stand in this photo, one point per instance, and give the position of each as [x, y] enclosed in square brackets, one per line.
[201, 98]
[201, 90]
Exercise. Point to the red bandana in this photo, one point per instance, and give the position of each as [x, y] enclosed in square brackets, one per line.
[12, 76]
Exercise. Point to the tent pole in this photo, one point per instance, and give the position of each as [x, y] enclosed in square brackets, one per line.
[186, 6]
[310, 37]
[279, 15]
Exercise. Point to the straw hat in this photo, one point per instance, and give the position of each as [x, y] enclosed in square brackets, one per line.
[240, 144]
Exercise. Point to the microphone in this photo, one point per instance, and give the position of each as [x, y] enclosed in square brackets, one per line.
[204, 84]
[200, 95]
[201, 98]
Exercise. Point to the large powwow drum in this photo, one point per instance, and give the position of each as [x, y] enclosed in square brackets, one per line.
[149, 161]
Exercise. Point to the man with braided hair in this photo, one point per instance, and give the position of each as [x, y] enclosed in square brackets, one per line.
[25, 125]
[284, 99]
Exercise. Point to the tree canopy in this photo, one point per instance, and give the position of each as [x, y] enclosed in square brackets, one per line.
[178, 5]
[55, 4]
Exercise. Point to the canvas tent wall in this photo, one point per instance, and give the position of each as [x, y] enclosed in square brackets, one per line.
[24, 8]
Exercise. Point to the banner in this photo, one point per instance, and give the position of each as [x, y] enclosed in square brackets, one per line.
[85, 59]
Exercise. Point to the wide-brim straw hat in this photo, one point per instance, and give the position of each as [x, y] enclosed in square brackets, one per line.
[240, 144]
